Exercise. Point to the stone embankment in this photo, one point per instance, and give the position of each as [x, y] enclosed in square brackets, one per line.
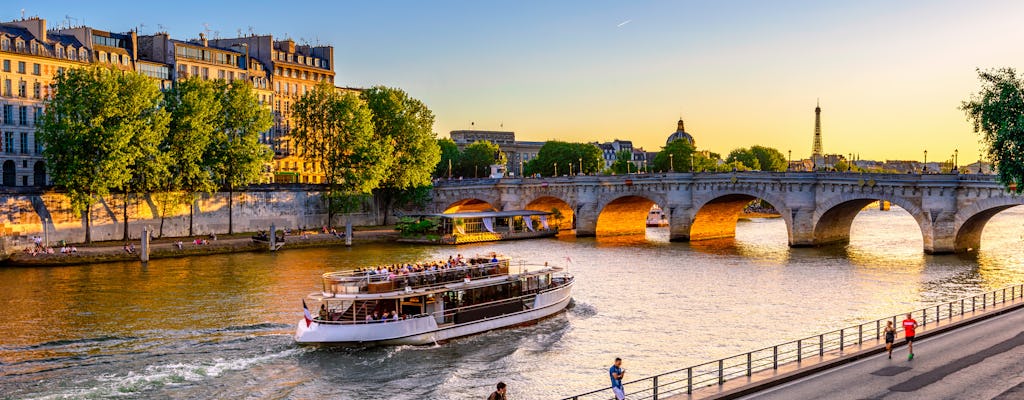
[114, 251]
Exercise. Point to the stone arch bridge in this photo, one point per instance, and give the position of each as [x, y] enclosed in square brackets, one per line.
[818, 208]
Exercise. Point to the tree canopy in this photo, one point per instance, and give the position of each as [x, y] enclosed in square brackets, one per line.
[997, 112]
[759, 158]
[449, 158]
[477, 158]
[676, 157]
[567, 157]
[99, 122]
[623, 162]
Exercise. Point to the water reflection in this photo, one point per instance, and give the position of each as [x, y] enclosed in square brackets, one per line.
[204, 327]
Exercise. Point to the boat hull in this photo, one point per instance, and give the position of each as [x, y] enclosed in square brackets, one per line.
[425, 330]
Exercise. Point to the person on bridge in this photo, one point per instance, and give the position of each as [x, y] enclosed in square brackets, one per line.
[890, 337]
[616, 372]
[909, 325]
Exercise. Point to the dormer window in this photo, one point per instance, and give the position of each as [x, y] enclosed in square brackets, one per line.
[5, 44]
[72, 54]
[35, 47]
[19, 45]
[83, 54]
[59, 50]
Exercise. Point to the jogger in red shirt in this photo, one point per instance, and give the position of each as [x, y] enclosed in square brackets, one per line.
[909, 325]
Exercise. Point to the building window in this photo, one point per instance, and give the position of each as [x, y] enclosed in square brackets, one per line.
[35, 48]
[7, 65]
[9, 142]
[24, 143]
[38, 115]
[8, 114]
[195, 71]
[83, 54]
[60, 71]
[35, 69]
[23, 116]
[206, 73]
[20, 45]
[60, 51]
[5, 44]
[102, 56]
[21, 67]
[37, 90]
[72, 54]
[22, 89]
[220, 74]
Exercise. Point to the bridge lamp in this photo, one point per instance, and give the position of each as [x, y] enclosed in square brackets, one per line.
[956, 158]
[581, 165]
[925, 167]
[790, 164]
[556, 169]
[671, 162]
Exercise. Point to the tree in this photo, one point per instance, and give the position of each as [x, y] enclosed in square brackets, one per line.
[477, 158]
[88, 131]
[407, 124]
[236, 156]
[997, 112]
[769, 159]
[744, 157]
[148, 166]
[195, 114]
[449, 158]
[675, 156]
[623, 162]
[335, 131]
[566, 156]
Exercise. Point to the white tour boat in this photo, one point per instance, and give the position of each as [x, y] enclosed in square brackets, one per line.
[433, 305]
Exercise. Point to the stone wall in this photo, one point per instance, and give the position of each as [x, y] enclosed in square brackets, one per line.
[22, 214]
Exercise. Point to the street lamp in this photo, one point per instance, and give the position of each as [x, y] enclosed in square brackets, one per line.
[925, 167]
[691, 162]
[790, 164]
[671, 162]
[556, 169]
[581, 165]
[956, 158]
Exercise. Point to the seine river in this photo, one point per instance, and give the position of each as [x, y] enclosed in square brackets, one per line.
[220, 326]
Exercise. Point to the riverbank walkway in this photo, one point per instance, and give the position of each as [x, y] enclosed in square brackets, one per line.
[168, 247]
[961, 345]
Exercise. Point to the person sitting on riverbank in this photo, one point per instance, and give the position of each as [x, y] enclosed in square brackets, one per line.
[129, 248]
[179, 245]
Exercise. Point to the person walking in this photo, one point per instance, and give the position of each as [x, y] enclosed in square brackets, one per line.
[498, 394]
[616, 373]
[890, 337]
[909, 325]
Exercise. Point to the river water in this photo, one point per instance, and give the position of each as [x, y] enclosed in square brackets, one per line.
[220, 326]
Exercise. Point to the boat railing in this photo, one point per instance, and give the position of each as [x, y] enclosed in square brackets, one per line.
[448, 314]
[350, 282]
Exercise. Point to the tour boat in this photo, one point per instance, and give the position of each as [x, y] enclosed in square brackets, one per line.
[656, 217]
[482, 226]
[433, 305]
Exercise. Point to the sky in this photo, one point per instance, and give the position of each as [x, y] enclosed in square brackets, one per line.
[890, 76]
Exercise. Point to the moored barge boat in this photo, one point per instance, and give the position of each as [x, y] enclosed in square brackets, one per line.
[458, 299]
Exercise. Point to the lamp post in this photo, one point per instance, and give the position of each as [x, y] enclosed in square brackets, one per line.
[449, 169]
[925, 167]
[645, 166]
[581, 165]
[691, 163]
[570, 169]
[556, 169]
[956, 159]
[671, 162]
[790, 163]
[520, 167]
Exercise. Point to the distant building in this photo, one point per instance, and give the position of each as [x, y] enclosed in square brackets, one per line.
[818, 157]
[518, 153]
[979, 167]
[681, 134]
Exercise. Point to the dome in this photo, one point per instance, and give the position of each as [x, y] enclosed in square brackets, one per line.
[680, 133]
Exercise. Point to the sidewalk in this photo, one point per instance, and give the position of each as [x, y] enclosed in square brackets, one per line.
[959, 331]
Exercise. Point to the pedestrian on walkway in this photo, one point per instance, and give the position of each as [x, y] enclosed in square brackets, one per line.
[909, 325]
[890, 337]
[498, 394]
[616, 372]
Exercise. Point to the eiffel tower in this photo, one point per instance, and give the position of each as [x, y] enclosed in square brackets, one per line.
[817, 154]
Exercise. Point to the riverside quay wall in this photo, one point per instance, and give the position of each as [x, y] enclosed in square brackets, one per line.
[25, 214]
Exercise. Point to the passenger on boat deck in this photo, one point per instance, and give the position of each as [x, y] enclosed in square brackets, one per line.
[376, 316]
[369, 317]
[323, 312]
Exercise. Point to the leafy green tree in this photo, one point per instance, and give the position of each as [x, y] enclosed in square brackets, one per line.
[623, 162]
[566, 156]
[997, 112]
[335, 131]
[477, 158]
[407, 124]
[769, 159]
[449, 158]
[675, 156]
[195, 116]
[91, 129]
[745, 157]
[235, 155]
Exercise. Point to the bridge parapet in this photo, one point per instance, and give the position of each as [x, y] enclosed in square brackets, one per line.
[818, 207]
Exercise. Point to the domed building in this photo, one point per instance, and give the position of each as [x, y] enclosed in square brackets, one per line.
[680, 133]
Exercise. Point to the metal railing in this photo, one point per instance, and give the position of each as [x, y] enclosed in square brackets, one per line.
[717, 372]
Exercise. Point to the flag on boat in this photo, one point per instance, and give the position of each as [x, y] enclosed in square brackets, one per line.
[305, 312]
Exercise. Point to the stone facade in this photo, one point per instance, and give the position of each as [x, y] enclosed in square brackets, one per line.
[23, 215]
[818, 208]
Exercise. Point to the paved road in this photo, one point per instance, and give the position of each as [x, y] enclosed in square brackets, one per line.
[982, 361]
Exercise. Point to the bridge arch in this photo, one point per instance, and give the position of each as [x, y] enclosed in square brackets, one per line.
[717, 214]
[624, 215]
[550, 203]
[469, 205]
[970, 222]
[833, 218]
